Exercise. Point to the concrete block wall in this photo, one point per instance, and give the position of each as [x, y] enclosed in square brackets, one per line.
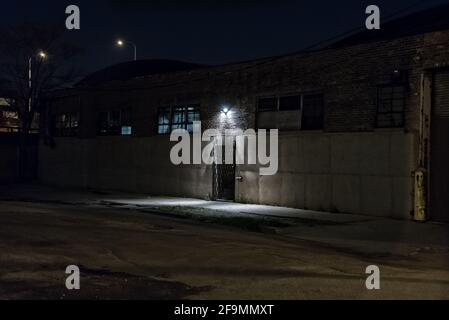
[122, 163]
[368, 173]
[68, 164]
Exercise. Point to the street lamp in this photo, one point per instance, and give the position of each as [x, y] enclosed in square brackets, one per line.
[121, 43]
[42, 55]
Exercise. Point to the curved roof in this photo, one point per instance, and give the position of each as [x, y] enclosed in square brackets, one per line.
[135, 69]
[423, 21]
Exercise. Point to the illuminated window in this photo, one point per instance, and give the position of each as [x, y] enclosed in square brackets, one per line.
[9, 120]
[126, 131]
[164, 120]
[390, 106]
[177, 117]
[4, 102]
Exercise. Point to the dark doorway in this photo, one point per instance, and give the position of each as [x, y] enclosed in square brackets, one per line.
[439, 155]
[224, 178]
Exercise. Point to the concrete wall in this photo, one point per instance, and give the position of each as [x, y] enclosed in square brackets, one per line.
[122, 163]
[368, 173]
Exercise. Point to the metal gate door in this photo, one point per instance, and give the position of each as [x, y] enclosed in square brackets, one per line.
[439, 156]
[224, 178]
[224, 181]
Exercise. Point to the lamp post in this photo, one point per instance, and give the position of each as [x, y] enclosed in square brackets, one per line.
[42, 55]
[121, 43]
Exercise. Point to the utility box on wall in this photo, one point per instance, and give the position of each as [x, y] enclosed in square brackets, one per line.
[419, 195]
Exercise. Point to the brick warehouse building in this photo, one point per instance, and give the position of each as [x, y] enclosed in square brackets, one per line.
[364, 125]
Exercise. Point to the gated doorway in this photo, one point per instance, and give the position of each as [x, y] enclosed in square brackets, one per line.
[223, 174]
[439, 155]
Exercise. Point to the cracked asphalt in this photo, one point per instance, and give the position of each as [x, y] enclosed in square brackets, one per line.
[124, 253]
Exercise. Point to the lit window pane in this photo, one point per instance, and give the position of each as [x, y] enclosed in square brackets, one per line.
[126, 131]
[178, 115]
[177, 126]
[163, 129]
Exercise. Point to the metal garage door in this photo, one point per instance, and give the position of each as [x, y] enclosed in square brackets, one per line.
[439, 158]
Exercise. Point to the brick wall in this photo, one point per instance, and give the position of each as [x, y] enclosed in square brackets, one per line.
[348, 78]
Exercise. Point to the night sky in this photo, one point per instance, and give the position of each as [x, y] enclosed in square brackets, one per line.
[208, 32]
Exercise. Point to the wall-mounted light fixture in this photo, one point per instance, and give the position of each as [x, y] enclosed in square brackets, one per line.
[225, 110]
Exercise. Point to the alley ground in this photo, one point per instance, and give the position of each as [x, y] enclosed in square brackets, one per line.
[138, 247]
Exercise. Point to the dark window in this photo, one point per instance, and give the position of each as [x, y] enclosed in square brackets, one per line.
[114, 122]
[66, 124]
[289, 103]
[312, 112]
[390, 106]
[115, 119]
[177, 117]
[267, 104]
[292, 112]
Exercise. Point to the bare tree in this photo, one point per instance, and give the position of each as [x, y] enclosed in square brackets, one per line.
[45, 52]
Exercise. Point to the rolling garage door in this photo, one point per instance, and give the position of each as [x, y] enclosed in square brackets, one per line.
[439, 158]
